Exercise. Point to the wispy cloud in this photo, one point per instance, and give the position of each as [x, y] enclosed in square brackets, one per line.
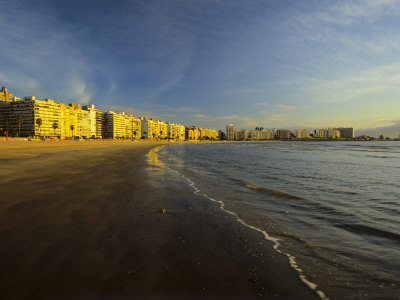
[129, 110]
[21, 82]
[112, 88]
[43, 56]
[275, 118]
[286, 107]
[386, 120]
[369, 82]
[238, 121]
[79, 91]
[346, 13]
[200, 116]
[392, 130]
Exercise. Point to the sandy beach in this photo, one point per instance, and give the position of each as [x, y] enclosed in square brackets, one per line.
[84, 220]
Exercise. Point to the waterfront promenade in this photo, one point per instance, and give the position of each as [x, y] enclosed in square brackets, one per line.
[81, 220]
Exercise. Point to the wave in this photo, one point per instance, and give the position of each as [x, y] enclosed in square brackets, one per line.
[305, 201]
[272, 192]
[369, 230]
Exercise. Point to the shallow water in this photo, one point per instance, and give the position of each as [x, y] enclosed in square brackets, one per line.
[333, 206]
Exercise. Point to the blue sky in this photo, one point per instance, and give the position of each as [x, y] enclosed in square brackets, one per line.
[276, 64]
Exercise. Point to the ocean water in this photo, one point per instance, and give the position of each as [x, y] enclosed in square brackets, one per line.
[333, 208]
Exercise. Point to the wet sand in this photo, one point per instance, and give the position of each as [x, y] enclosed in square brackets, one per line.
[83, 220]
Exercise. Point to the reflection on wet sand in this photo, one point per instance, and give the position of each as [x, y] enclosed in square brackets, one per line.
[152, 157]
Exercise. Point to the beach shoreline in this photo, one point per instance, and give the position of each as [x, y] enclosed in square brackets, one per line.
[86, 221]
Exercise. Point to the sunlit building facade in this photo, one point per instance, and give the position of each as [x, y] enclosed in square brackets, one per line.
[283, 134]
[302, 134]
[263, 134]
[328, 133]
[121, 126]
[175, 131]
[230, 132]
[154, 129]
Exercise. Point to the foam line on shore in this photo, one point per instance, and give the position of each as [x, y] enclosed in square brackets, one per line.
[275, 241]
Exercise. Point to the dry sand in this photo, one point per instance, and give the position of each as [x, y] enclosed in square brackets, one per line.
[83, 220]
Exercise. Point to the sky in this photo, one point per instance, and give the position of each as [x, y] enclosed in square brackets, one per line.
[273, 63]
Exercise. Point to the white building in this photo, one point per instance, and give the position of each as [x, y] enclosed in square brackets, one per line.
[263, 134]
[302, 133]
[329, 133]
[230, 132]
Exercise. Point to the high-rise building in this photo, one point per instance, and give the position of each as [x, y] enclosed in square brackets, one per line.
[346, 133]
[243, 135]
[230, 132]
[263, 134]
[154, 128]
[121, 126]
[302, 133]
[96, 120]
[5, 102]
[283, 134]
[33, 117]
[329, 133]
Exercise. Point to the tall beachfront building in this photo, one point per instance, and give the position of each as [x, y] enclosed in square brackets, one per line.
[329, 133]
[283, 134]
[121, 126]
[96, 120]
[263, 134]
[346, 133]
[230, 132]
[5, 99]
[175, 131]
[153, 128]
[302, 133]
[47, 118]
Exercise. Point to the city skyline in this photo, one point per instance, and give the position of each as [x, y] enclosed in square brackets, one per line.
[276, 65]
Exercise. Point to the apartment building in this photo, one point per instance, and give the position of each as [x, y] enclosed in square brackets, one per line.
[263, 134]
[346, 133]
[96, 120]
[328, 133]
[175, 131]
[230, 132]
[283, 134]
[33, 117]
[302, 134]
[121, 126]
[154, 128]
[208, 134]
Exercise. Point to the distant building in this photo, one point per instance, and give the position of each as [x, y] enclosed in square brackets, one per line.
[5, 101]
[153, 128]
[230, 132]
[329, 133]
[121, 126]
[302, 133]
[243, 135]
[346, 133]
[262, 134]
[283, 134]
[175, 131]
[38, 117]
[96, 120]
[208, 134]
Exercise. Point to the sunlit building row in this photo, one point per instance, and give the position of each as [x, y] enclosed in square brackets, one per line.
[285, 134]
[32, 117]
